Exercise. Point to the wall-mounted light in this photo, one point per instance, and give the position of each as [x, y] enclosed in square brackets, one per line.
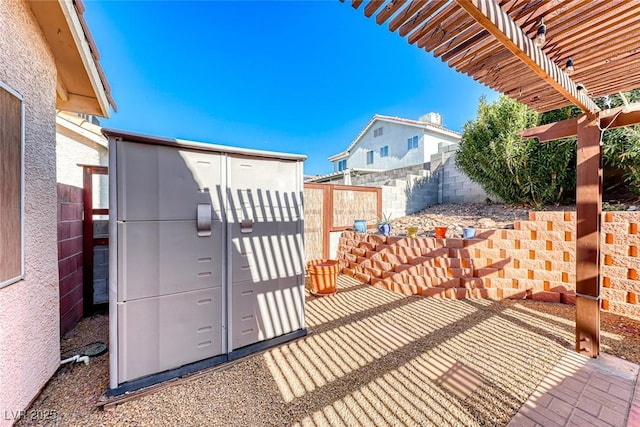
[581, 88]
[541, 34]
[570, 67]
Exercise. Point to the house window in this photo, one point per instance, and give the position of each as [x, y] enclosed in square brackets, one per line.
[11, 188]
[412, 143]
[342, 165]
[377, 132]
[384, 151]
[369, 157]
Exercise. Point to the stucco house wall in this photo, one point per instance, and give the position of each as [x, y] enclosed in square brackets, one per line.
[393, 136]
[29, 319]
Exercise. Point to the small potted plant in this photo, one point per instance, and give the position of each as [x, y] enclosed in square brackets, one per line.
[384, 225]
[468, 232]
[360, 225]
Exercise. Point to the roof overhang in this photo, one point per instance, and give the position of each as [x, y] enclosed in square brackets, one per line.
[339, 156]
[81, 84]
[81, 127]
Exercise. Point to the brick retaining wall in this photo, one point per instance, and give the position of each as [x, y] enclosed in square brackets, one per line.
[70, 208]
[535, 260]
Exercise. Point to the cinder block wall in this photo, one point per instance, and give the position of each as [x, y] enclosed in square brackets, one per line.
[535, 260]
[70, 255]
[455, 185]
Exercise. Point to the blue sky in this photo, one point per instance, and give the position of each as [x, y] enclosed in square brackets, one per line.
[292, 76]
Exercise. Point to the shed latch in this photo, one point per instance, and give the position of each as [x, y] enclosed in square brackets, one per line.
[204, 219]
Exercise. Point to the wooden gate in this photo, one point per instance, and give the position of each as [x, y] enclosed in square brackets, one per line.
[329, 208]
[90, 240]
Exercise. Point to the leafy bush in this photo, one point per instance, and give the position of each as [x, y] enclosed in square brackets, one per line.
[621, 147]
[517, 170]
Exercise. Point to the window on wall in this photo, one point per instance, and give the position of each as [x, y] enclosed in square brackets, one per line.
[384, 151]
[369, 157]
[377, 132]
[11, 177]
[412, 143]
[342, 165]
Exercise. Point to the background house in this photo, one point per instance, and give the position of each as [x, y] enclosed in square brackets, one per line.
[392, 142]
[47, 62]
[413, 161]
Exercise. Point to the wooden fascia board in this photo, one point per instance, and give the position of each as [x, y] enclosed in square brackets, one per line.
[615, 118]
[79, 37]
[338, 156]
[82, 132]
[497, 22]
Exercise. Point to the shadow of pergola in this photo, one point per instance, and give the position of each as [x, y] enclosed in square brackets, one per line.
[377, 358]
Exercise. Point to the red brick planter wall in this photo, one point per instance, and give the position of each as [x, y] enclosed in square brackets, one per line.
[70, 255]
[535, 260]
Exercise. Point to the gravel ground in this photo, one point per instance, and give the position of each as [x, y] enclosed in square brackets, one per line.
[456, 216]
[372, 357]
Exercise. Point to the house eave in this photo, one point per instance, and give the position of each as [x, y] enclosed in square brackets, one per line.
[82, 128]
[339, 156]
[81, 85]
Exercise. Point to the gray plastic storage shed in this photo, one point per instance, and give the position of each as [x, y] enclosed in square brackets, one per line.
[206, 255]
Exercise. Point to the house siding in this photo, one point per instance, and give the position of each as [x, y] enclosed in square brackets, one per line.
[73, 149]
[29, 309]
[394, 135]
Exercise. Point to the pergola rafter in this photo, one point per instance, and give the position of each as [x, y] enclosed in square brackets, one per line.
[492, 42]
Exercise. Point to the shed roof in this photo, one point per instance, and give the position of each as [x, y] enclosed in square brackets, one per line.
[182, 143]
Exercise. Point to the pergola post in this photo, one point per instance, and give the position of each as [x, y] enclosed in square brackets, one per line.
[588, 213]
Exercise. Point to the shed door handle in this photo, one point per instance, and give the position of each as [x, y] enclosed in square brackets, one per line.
[204, 219]
[246, 226]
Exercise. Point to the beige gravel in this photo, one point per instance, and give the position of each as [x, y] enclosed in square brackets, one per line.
[372, 357]
[456, 216]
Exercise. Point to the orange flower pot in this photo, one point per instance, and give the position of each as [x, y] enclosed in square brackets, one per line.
[441, 232]
[324, 276]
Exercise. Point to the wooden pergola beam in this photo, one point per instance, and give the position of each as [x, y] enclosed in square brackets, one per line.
[588, 212]
[611, 119]
[497, 22]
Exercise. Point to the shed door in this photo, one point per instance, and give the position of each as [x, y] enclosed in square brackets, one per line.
[265, 211]
[171, 297]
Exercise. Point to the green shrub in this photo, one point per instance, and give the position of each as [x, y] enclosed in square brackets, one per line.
[517, 170]
[621, 146]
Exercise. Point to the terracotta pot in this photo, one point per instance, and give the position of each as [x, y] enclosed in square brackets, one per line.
[324, 276]
[412, 232]
[441, 232]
